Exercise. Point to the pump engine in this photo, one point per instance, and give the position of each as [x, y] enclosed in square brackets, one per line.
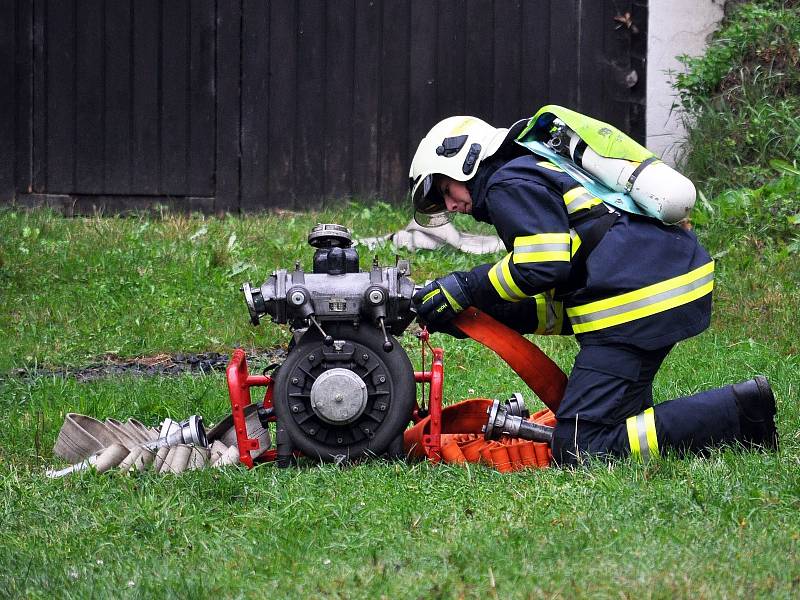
[347, 387]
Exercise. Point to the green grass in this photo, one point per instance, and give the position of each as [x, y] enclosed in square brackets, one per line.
[722, 526]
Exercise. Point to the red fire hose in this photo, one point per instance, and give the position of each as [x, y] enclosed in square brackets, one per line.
[456, 436]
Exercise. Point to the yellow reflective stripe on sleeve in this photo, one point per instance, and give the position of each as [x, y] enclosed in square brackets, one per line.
[455, 305]
[541, 247]
[549, 314]
[501, 280]
[540, 238]
[579, 198]
[551, 166]
[430, 295]
[643, 302]
[576, 241]
[642, 435]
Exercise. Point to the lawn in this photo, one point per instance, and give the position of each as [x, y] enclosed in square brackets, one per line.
[80, 291]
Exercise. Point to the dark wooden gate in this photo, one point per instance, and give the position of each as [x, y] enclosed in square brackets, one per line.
[228, 105]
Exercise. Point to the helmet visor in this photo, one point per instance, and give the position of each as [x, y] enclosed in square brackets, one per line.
[427, 198]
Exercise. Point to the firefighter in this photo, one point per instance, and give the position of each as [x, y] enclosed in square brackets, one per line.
[628, 287]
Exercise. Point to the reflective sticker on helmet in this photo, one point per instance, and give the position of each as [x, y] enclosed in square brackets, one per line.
[463, 126]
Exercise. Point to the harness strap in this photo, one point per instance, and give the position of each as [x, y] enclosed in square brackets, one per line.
[602, 217]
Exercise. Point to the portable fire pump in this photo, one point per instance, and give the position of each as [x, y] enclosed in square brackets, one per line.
[346, 389]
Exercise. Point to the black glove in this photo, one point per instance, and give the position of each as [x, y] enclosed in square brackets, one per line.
[441, 300]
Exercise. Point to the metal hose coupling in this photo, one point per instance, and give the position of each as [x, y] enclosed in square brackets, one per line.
[510, 419]
[190, 431]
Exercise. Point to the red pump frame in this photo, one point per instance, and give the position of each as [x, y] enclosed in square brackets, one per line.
[240, 382]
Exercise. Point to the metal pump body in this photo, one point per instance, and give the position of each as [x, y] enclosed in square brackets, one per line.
[346, 388]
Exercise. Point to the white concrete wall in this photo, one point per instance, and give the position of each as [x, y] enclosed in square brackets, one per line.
[675, 27]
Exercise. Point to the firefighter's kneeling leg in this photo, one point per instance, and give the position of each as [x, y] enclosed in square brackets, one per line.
[608, 410]
[692, 423]
[608, 384]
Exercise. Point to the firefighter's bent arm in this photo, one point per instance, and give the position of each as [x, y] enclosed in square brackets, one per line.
[532, 222]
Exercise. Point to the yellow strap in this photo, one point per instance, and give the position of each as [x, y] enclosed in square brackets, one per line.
[633, 437]
[650, 431]
[574, 193]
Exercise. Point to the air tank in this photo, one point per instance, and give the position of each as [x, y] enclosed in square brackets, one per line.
[658, 189]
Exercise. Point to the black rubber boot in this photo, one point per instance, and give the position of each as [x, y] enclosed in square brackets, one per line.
[756, 404]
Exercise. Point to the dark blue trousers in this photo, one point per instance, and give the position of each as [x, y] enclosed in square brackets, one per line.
[611, 383]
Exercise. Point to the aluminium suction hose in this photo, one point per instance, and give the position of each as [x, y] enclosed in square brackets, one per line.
[176, 447]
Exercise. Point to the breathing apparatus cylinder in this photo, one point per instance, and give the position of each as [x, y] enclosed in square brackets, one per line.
[656, 187]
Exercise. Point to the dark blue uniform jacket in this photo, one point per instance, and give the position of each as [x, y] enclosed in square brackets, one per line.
[645, 284]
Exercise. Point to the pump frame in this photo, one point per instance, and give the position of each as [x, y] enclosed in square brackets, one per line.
[240, 381]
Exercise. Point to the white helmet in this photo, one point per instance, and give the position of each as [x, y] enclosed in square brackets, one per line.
[455, 148]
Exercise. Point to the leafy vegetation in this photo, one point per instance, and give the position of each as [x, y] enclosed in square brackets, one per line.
[742, 98]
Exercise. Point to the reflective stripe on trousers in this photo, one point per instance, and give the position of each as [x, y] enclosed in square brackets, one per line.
[642, 435]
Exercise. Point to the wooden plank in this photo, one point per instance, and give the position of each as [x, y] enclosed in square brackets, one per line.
[366, 78]
[479, 59]
[200, 168]
[565, 73]
[508, 75]
[339, 135]
[422, 74]
[310, 100]
[228, 64]
[60, 40]
[638, 52]
[593, 20]
[393, 132]
[255, 104]
[39, 93]
[282, 100]
[535, 56]
[175, 113]
[90, 87]
[450, 52]
[7, 99]
[145, 146]
[616, 43]
[117, 98]
[24, 96]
